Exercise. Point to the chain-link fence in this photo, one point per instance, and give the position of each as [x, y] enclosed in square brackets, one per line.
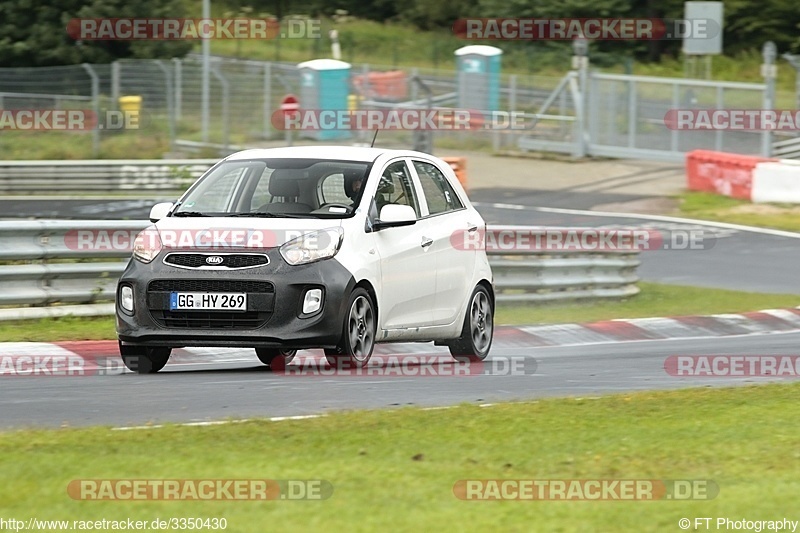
[582, 113]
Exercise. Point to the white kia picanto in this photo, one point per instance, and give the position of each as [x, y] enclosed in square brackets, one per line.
[337, 248]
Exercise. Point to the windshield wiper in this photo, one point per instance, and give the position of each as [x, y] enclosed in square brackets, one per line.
[262, 214]
[190, 214]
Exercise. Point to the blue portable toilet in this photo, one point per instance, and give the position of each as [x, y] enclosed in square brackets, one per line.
[324, 86]
[479, 77]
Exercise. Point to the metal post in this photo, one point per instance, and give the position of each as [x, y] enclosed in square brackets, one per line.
[225, 114]
[178, 88]
[769, 71]
[95, 108]
[205, 81]
[632, 114]
[718, 133]
[512, 93]
[414, 74]
[170, 103]
[580, 61]
[115, 79]
[673, 134]
[267, 99]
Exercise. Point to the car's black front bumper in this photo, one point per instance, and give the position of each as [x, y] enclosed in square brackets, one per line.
[274, 315]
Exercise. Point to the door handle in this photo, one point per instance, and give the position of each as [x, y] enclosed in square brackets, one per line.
[472, 228]
[426, 242]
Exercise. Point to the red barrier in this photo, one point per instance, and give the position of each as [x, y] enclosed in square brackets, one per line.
[387, 85]
[459, 166]
[721, 173]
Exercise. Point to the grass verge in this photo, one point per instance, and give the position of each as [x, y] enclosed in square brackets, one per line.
[654, 300]
[396, 469]
[708, 206]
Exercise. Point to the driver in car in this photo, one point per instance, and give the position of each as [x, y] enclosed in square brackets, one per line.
[353, 180]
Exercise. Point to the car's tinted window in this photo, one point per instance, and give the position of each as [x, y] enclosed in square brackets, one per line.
[396, 187]
[439, 194]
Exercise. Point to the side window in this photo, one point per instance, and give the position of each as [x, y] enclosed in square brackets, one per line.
[396, 187]
[439, 194]
[333, 190]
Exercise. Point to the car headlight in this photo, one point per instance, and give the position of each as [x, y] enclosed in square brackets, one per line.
[314, 246]
[147, 245]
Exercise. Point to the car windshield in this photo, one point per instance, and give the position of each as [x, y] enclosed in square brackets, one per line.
[285, 188]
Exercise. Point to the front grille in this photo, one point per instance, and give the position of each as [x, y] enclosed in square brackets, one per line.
[209, 285]
[228, 261]
[209, 319]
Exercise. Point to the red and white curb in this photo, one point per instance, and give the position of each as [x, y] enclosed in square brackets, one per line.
[770, 321]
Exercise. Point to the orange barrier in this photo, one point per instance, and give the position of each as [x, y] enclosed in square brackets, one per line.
[721, 173]
[389, 85]
[459, 166]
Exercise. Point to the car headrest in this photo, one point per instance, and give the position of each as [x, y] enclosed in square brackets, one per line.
[283, 183]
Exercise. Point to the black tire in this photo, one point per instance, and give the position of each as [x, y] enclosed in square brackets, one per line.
[143, 359]
[358, 333]
[476, 334]
[268, 355]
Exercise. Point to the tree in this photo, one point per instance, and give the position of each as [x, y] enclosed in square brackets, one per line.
[34, 33]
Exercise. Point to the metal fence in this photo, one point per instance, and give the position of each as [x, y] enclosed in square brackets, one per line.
[45, 263]
[582, 113]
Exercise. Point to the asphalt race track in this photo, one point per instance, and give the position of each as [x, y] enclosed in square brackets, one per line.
[237, 385]
[242, 387]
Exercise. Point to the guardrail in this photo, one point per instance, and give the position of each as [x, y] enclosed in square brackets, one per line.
[49, 263]
[106, 176]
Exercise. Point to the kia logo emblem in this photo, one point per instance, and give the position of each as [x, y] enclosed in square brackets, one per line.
[214, 259]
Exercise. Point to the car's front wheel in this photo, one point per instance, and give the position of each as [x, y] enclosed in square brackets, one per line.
[358, 333]
[268, 356]
[143, 359]
[476, 333]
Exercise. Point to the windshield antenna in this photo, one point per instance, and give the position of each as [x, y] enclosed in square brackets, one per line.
[373, 138]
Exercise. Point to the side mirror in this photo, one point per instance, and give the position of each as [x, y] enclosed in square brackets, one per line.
[160, 211]
[393, 216]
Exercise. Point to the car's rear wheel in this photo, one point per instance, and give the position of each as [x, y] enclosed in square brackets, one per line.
[476, 333]
[268, 355]
[144, 359]
[358, 333]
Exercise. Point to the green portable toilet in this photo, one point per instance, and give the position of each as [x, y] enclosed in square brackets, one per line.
[479, 77]
[324, 86]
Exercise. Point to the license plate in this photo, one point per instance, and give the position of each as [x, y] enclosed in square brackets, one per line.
[213, 301]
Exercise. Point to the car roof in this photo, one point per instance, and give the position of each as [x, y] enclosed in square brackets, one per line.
[334, 153]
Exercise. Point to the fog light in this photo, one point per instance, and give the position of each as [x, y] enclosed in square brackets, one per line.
[126, 298]
[312, 301]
